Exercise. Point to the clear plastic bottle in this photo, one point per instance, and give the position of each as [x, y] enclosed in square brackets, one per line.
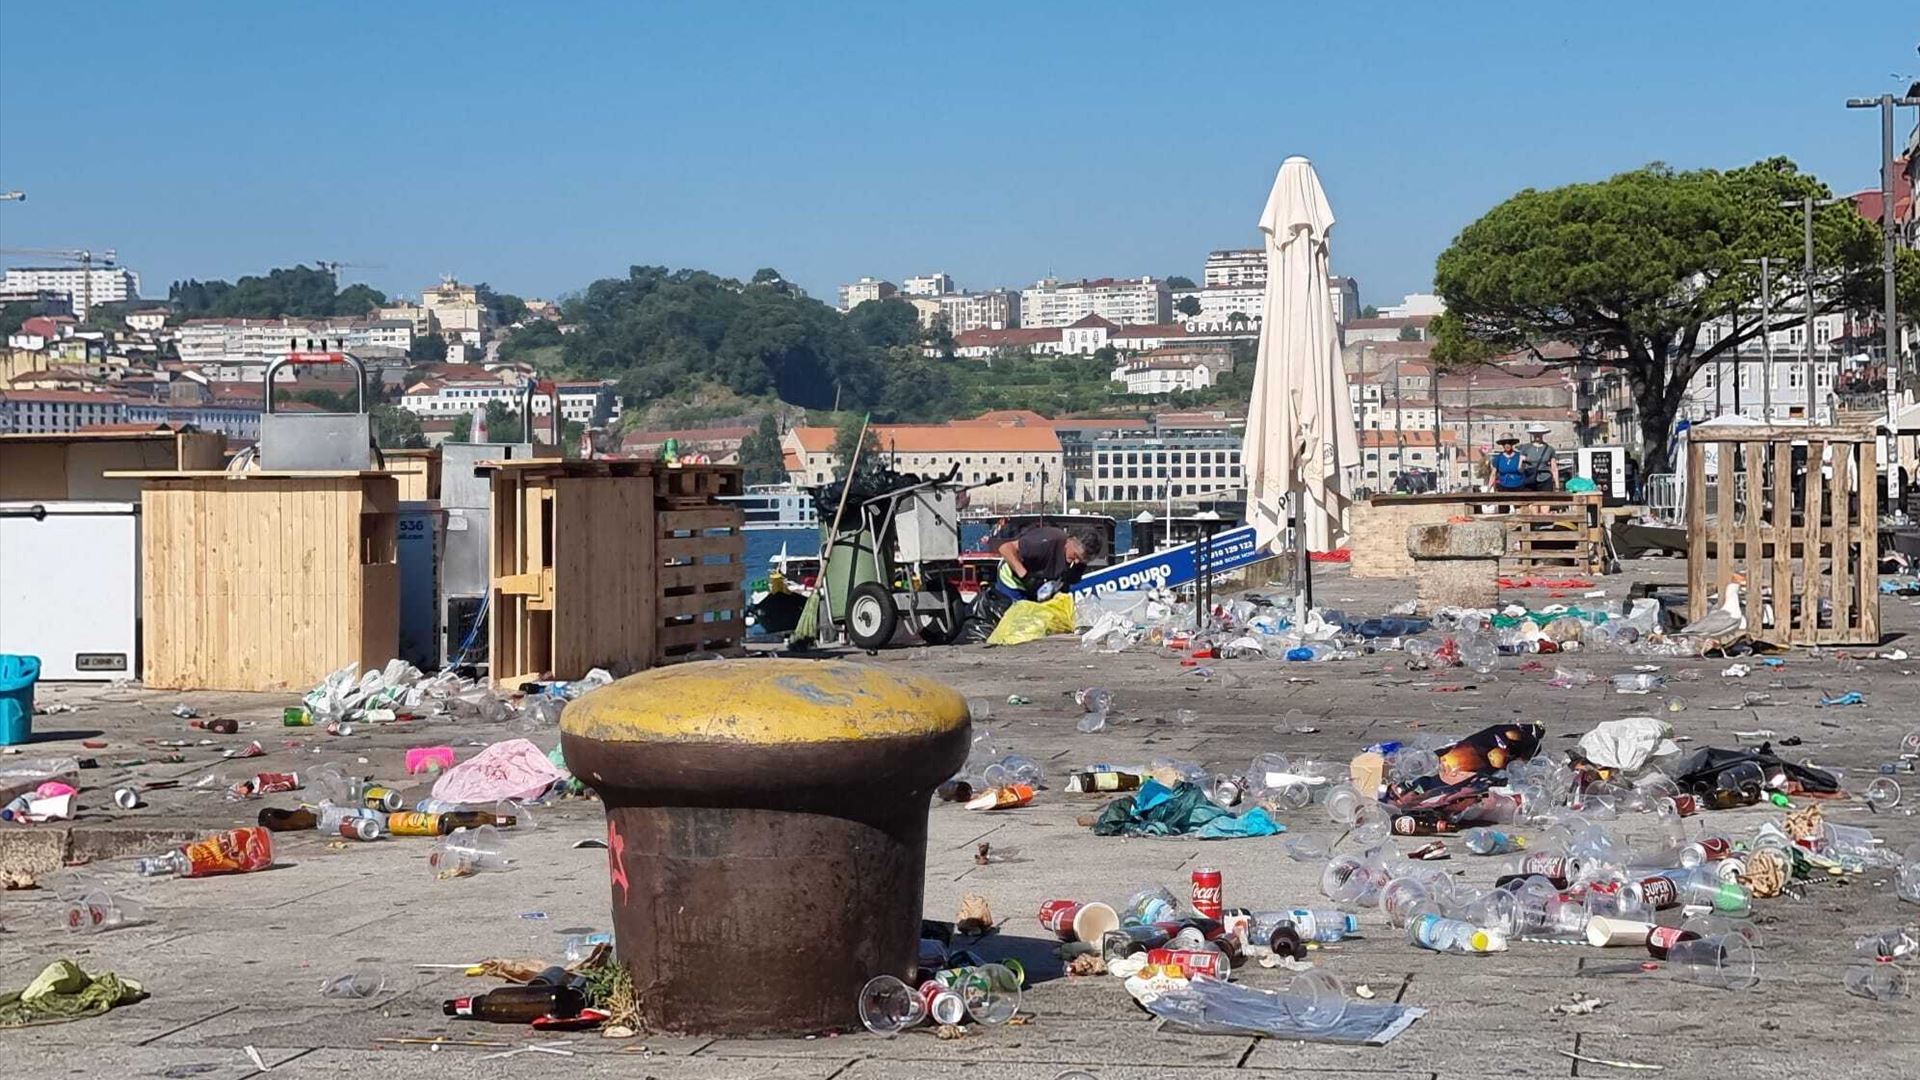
[1323, 925]
[1484, 841]
[1442, 934]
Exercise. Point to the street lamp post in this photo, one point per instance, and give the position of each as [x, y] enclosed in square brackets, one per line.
[1765, 263]
[1889, 227]
[1806, 205]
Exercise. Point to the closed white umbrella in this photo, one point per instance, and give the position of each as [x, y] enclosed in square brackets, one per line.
[1300, 434]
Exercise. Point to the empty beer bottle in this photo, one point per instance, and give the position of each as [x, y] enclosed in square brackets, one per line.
[298, 819]
[1662, 938]
[519, 1004]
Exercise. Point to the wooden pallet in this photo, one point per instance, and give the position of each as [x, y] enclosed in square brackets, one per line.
[615, 564]
[1794, 512]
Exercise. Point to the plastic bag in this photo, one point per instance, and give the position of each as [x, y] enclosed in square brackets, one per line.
[1030, 620]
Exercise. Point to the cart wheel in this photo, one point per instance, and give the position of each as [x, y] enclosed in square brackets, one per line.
[943, 626]
[871, 616]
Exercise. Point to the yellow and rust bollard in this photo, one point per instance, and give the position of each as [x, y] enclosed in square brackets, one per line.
[766, 833]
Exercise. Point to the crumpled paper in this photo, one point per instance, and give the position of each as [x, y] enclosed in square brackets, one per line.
[63, 992]
[1628, 744]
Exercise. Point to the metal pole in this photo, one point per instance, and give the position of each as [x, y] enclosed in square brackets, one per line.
[1766, 340]
[1806, 347]
[1889, 228]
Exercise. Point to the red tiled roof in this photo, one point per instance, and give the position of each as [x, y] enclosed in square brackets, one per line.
[941, 438]
[1389, 322]
[1151, 330]
[85, 397]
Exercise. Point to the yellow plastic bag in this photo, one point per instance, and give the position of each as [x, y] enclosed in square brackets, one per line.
[1030, 620]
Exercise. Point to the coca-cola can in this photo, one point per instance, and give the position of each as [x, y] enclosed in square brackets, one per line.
[1057, 916]
[1685, 805]
[1210, 962]
[1206, 892]
[359, 828]
[944, 1003]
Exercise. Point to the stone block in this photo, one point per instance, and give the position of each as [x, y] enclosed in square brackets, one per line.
[1470, 540]
[1470, 583]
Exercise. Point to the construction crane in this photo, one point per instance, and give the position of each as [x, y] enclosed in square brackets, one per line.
[13, 196]
[333, 268]
[80, 255]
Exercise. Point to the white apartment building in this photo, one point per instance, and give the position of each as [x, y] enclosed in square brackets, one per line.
[1414, 304]
[233, 421]
[1119, 300]
[100, 284]
[1028, 460]
[1224, 309]
[1739, 384]
[38, 411]
[1137, 469]
[995, 310]
[852, 296]
[238, 350]
[147, 320]
[460, 397]
[1232, 269]
[928, 285]
[590, 403]
[1164, 370]
[456, 311]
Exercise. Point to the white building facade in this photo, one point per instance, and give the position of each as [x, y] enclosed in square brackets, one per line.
[1235, 269]
[99, 284]
[1118, 300]
[995, 310]
[928, 285]
[38, 411]
[852, 296]
[1137, 469]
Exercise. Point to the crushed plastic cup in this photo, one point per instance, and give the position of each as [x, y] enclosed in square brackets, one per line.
[1013, 769]
[98, 910]
[1344, 804]
[1351, 880]
[1883, 793]
[1149, 904]
[1092, 723]
[354, 985]
[980, 709]
[1306, 847]
[1881, 980]
[576, 948]
[889, 1006]
[1724, 960]
[1094, 699]
[465, 852]
[1411, 763]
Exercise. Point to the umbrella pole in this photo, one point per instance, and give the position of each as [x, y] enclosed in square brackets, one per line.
[1303, 566]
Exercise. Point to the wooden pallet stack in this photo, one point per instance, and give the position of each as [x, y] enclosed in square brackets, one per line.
[615, 564]
[1792, 513]
[1558, 533]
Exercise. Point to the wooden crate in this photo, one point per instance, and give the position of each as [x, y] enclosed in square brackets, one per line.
[1795, 512]
[1547, 531]
[615, 564]
[266, 580]
[100, 464]
[418, 472]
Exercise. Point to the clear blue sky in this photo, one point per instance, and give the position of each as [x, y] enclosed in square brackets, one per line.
[538, 146]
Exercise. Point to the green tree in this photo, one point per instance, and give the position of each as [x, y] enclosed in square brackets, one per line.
[1630, 269]
[846, 438]
[570, 436]
[1181, 281]
[539, 334]
[760, 457]
[428, 348]
[290, 292]
[1410, 333]
[462, 429]
[1369, 312]
[1188, 306]
[12, 315]
[358, 300]
[395, 428]
[504, 309]
[884, 324]
[503, 423]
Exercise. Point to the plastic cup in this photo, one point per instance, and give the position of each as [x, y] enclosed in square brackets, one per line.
[980, 709]
[1724, 960]
[1317, 998]
[1344, 803]
[991, 993]
[354, 985]
[1269, 771]
[889, 1006]
[98, 910]
[1350, 880]
[1883, 793]
[1405, 898]
[1880, 980]
[1094, 699]
[467, 851]
[1092, 722]
[1306, 847]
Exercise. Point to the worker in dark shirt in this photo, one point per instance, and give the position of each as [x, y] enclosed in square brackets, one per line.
[1039, 563]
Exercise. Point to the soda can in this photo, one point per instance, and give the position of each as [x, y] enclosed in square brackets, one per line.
[1211, 962]
[126, 798]
[1685, 805]
[360, 828]
[1659, 892]
[1207, 892]
[296, 716]
[382, 798]
[944, 1003]
[269, 783]
[412, 823]
[1076, 920]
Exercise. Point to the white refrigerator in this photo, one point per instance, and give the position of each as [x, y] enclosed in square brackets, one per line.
[70, 587]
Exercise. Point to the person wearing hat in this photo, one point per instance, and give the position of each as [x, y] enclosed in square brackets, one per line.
[1507, 468]
[1539, 457]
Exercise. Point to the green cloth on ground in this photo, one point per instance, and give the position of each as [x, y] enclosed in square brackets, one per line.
[63, 992]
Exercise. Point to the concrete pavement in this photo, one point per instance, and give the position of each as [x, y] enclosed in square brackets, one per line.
[237, 962]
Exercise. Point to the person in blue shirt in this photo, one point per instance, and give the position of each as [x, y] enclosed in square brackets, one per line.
[1507, 468]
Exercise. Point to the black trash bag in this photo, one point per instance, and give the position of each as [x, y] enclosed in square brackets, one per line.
[988, 608]
[1699, 772]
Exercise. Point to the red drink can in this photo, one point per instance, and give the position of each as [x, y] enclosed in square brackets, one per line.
[1206, 892]
[1685, 805]
[1057, 916]
[1192, 961]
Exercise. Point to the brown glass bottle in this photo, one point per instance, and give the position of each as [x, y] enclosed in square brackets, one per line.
[519, 1004]
[1666, 937]
[298, 819]
[466, 819]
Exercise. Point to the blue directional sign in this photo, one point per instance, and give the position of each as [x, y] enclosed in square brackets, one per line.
[1171, 567]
